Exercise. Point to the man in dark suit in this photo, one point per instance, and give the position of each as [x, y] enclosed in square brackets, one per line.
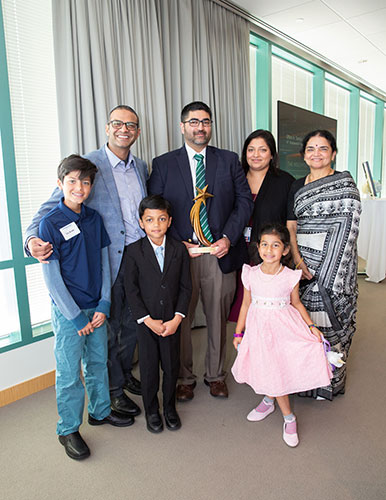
[175, 176]
[158, 289]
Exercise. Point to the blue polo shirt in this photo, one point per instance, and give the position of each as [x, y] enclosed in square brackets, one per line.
[77, 240]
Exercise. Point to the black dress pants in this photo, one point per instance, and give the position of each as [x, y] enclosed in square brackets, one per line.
[153, 352]
[122, 337]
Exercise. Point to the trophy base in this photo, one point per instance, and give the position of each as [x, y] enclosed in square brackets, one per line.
[195, 250]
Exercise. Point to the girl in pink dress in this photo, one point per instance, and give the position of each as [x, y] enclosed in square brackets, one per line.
[281, 351]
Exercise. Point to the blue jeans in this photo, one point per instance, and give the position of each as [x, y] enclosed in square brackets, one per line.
[70, 350]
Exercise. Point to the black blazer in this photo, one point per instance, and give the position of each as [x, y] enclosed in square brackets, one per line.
[150, 291]
[228, 211]
[271, 201]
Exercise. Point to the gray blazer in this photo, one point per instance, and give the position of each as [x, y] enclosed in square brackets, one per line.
[103, 198]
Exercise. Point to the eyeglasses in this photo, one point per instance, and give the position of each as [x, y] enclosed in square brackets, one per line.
[195, 122]
[117, 124]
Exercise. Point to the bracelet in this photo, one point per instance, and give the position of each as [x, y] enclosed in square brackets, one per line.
[312, 325]
[238, 334]
[298, 264]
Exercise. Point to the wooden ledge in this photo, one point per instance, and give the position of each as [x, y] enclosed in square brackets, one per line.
[27, 388]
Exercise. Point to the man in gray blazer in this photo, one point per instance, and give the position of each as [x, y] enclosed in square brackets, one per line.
[119, 186]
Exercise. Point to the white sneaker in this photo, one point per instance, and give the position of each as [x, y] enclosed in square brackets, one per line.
[261, 411]
[290, 434]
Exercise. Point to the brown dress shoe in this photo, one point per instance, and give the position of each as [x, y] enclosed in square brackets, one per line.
[185, 392]
[218, 388]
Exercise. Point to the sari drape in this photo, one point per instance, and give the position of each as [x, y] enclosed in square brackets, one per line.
[328, 212]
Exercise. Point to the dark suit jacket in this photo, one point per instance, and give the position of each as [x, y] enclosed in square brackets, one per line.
[150, 291]
[228, 211]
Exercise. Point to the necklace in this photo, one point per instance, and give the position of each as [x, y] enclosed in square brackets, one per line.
[271, 276]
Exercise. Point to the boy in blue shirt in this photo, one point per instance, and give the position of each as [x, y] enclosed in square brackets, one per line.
[78, 280]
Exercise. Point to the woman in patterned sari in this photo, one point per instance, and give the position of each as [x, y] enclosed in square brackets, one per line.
[323, 219]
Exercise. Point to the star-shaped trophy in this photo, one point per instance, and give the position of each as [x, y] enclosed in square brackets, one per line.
[200, 199]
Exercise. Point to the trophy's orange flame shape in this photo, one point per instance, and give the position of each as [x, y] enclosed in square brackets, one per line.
[195, 214]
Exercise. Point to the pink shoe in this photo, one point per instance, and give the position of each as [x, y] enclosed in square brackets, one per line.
[261, 411]
[290, 434]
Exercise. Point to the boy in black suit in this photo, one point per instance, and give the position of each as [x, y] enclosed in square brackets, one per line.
[158, 288]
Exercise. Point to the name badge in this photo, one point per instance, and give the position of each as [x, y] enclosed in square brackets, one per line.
[247, 233]
[69, 231]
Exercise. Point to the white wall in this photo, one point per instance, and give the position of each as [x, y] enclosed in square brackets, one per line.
[27, 362]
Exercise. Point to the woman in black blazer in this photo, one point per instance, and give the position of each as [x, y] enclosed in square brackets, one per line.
[269, 186]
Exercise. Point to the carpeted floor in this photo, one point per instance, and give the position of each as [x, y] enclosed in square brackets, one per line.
[217, 454]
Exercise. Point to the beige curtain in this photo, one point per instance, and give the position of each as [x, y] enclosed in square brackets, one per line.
[156, 56]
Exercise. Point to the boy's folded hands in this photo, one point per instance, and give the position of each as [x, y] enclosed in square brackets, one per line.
[163, 329]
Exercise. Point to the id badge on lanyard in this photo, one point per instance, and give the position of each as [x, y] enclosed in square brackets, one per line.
[247, 233]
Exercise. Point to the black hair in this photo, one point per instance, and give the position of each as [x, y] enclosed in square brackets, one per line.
[127, 108]
[77, 163]
[270, 140]
[282, 233]
[195, 106]
[154, 202]
[322, 133]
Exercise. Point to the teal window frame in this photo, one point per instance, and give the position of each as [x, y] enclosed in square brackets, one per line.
[19, 261]
[263, 66]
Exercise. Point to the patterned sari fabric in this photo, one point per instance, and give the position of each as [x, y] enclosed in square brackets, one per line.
[328, 212]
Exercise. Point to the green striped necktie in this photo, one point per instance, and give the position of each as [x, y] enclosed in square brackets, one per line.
[200, 184]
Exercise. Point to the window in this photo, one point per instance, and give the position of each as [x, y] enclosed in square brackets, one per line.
[10, 325]
[30, 61]
[290, 84]
[28, 165]
[366, 139]
[337, 105]
[5, 247]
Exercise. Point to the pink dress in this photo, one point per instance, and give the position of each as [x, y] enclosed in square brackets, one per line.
[278, 354]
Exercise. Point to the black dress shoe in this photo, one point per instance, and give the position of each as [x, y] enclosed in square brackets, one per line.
[154, 423]
[115, 419]
[74, 446]
[125, 405]
[133, 385]
[172, 420]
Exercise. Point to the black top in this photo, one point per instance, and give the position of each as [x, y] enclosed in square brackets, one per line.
[271, 201]
[299, 183]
